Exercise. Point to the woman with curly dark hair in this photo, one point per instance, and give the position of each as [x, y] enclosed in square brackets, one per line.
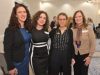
[16, 41]
[39, 47]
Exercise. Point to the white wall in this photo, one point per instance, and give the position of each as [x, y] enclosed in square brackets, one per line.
[33, 6]
[68, 6]
[5, 11]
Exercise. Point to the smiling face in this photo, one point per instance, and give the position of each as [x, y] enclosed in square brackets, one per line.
[41, 20]
[21, 14]
[62, 20]
[78, 19]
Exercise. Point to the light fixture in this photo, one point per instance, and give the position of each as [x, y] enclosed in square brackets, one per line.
[45, 4]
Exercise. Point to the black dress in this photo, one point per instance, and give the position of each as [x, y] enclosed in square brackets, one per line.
[61, 52]
[39, 51]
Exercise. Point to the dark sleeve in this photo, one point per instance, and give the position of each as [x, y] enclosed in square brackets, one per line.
[52, 24]
[51, 35]
[71, 44]
[52, 32]
[8, 44]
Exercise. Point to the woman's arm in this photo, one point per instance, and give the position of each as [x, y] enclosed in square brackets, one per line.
[8, 44]
[92, 43]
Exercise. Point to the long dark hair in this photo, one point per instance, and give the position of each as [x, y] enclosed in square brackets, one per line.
[36, 17]
[83, 16]
[14, 20]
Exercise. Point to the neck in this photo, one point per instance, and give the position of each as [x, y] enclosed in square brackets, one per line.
[79, 26]
[62, 28]
[22, 24]
[39, 27]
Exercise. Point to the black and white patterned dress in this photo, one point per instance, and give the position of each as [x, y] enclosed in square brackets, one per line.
[39, 51]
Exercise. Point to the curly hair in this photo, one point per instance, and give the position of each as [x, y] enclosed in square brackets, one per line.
[36, 17]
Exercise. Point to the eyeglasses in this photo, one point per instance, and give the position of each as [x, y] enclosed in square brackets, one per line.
[62, 19]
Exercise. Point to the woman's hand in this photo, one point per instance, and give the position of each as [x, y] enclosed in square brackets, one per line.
[13, 72]
[87, 60]
[73, 61]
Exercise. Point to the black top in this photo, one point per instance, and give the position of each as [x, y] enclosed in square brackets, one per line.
[40, 36]
[62, 41]
[52, 25]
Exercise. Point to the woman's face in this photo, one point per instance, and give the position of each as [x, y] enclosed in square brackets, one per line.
[21, 14]
[78, 19]
[42, 19]
[62, 20]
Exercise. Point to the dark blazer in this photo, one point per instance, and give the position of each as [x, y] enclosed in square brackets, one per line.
[14, 46]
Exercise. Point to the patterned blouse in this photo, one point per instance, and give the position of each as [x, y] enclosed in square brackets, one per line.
[59, 41]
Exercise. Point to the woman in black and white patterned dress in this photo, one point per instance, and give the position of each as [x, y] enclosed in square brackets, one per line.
[39, 47]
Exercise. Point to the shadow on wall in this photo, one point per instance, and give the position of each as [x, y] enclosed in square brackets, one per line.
[1, 44]
[3, 63]
[2, 59]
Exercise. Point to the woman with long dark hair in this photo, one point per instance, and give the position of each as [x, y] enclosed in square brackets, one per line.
[17, 39]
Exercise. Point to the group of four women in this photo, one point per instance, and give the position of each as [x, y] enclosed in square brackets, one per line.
[26, 40]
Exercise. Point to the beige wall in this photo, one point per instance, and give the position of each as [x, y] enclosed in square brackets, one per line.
[68, 6]
[33, 6]
[5, 11]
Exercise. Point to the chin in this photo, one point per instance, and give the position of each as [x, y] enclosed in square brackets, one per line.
[24, 20]
[41, 24]
[62, 25]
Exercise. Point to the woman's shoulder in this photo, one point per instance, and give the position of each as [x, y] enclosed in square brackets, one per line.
[73, 28]
[89, 28]
[10, 30]
[70, 31]
[53, 30]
